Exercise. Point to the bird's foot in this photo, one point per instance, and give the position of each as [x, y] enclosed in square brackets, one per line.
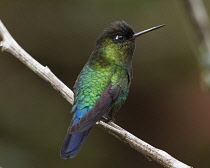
[107, 119]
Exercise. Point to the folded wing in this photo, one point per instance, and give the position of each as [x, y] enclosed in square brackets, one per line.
[102, 106]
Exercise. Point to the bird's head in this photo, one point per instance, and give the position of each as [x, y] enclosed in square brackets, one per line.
[118, 40]
[117, 37]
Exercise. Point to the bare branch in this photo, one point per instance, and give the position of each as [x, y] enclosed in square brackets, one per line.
[10, 45]
[146, 149]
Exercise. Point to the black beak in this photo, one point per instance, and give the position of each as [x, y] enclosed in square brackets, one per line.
[146, 31]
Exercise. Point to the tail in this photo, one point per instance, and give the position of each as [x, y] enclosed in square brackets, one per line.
[72, 144]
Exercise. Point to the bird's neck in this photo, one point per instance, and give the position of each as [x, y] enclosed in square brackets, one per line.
[110, 57]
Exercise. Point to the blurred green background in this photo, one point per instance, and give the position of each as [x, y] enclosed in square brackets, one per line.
[166, 106]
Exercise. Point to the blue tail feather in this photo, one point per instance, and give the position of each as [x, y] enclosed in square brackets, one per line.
[72, 144]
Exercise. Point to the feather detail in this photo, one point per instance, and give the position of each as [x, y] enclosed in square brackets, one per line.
[109, 96]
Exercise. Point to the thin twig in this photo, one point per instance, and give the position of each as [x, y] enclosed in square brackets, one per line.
[198, 16]
[10, 45]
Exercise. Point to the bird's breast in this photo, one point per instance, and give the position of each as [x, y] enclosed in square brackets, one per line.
[90, 85]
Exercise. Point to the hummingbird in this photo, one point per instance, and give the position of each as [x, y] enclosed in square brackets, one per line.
[103, 84]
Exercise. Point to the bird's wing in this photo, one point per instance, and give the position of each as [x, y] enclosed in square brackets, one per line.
[109, 95]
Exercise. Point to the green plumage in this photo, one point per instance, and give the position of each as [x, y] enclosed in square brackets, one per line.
[95, 78]
[103, 84]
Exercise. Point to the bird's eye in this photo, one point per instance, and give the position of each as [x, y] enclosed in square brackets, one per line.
[120, 38]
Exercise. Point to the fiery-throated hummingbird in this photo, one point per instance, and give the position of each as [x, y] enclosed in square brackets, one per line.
[103, 84]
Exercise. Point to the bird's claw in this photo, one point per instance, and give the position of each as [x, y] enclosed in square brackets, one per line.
[107, 119]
